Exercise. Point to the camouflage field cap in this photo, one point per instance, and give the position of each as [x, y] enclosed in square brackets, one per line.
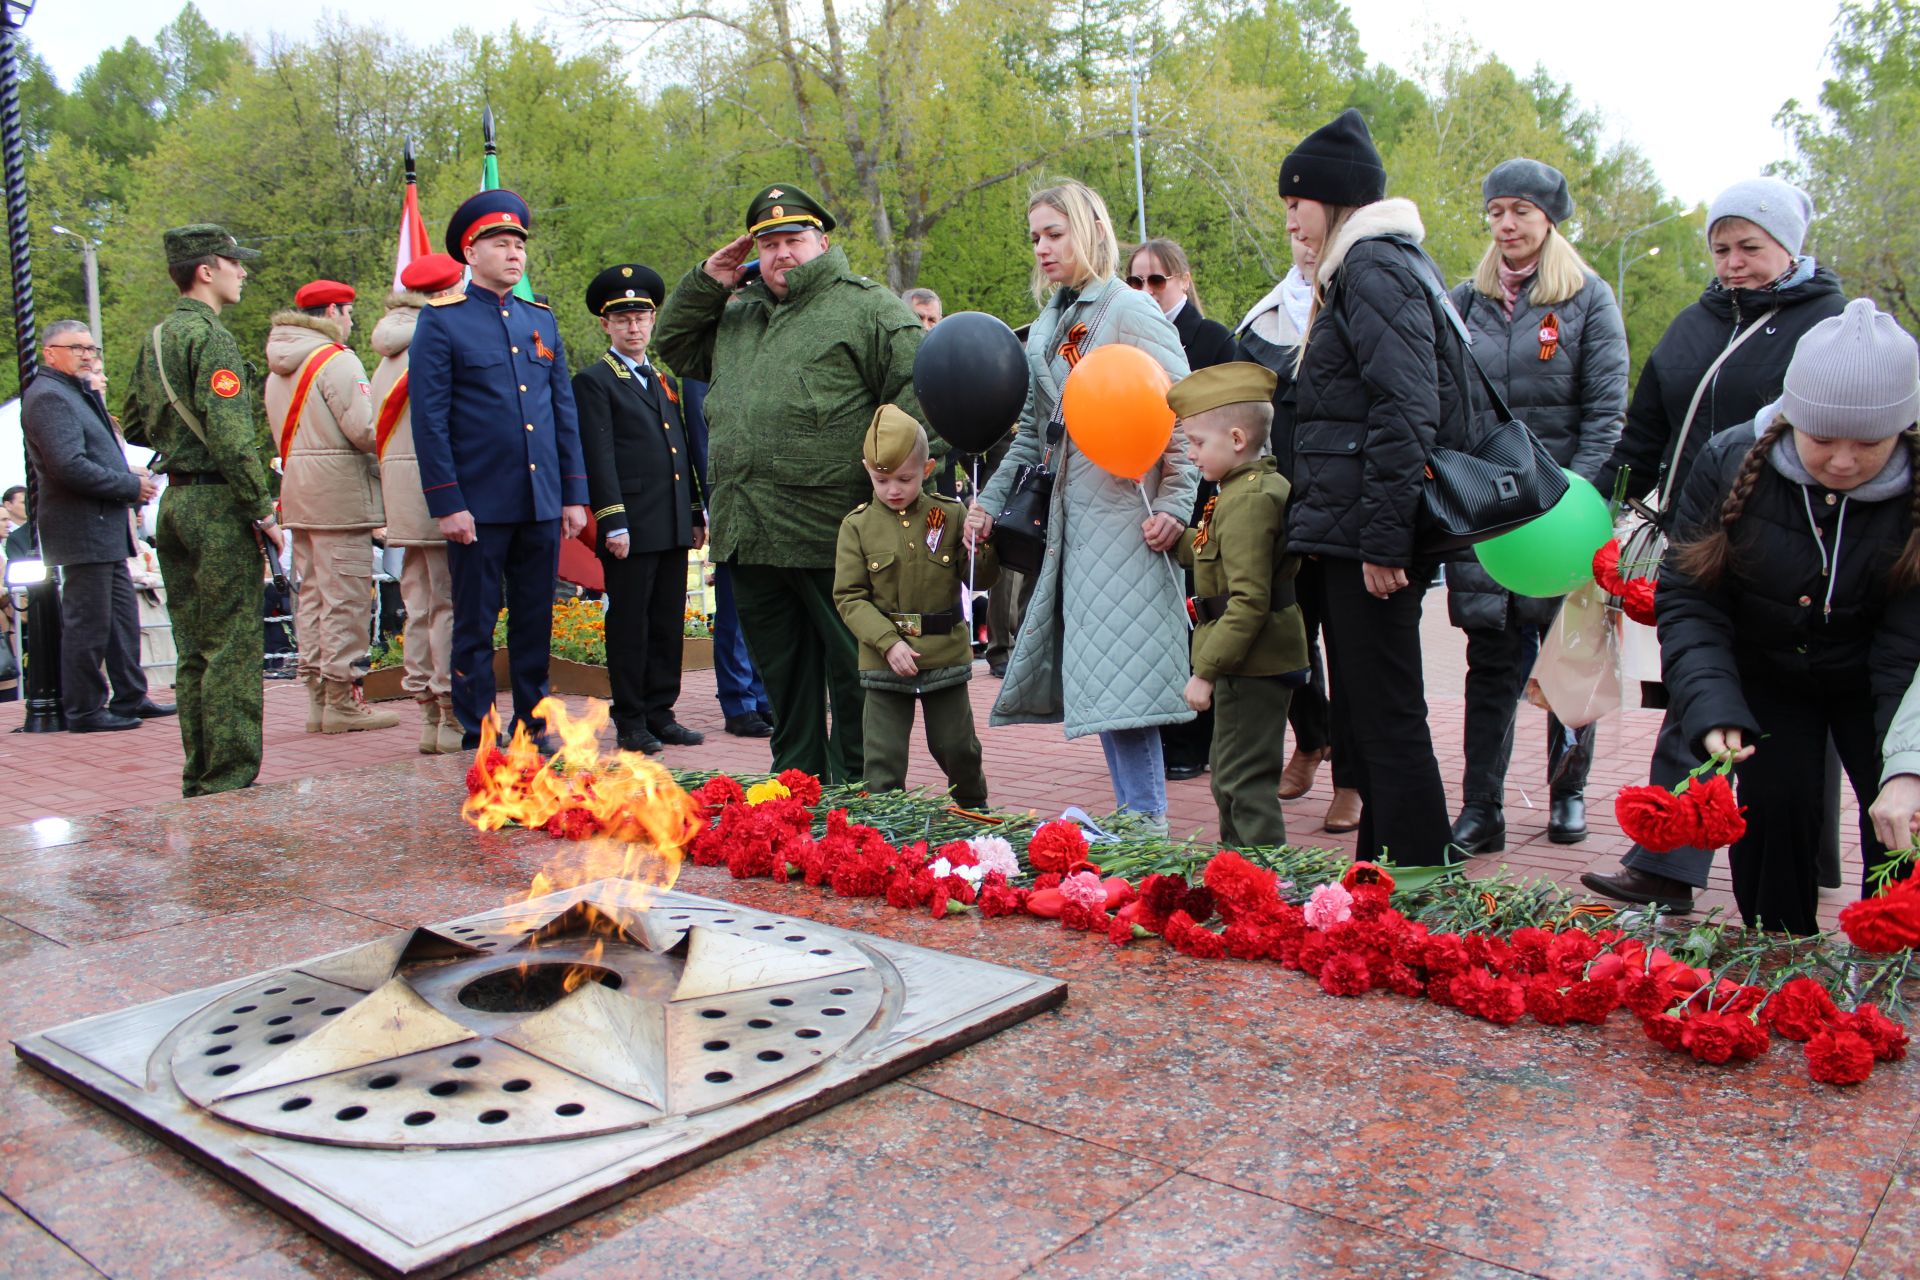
[198, 239]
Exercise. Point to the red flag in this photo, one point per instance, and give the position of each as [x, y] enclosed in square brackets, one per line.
[413, 235]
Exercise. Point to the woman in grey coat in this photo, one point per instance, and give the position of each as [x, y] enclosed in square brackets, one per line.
[1548, 333]
[1103, 647]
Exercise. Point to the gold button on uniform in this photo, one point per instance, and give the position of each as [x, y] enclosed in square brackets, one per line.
[505, 312]
[529, 426]
[523, 386]
[532, 467]
[874, 565]
[516, 351]
[1831, 499]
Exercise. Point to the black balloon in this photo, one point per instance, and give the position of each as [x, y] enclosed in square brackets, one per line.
[971, 376]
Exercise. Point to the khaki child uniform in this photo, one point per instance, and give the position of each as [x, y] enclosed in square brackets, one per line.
[188, 402]
[899, 575]
[1248, 638]
[330, 502]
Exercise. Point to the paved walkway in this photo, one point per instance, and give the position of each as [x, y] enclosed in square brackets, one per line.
[1028, 767]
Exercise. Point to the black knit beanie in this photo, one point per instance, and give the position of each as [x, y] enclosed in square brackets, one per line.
[1336, 164]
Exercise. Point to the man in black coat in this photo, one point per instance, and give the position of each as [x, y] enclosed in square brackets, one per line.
[645, 489]
[86, 494]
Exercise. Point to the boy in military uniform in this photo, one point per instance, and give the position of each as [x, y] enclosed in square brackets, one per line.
[899, 568]
[1249, 645]
[189, 403]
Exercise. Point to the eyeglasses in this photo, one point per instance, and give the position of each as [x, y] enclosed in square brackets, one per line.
[86, 349]
[1157, 280]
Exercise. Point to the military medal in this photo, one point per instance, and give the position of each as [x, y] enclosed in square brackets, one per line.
[1549, 336]
[936, 522]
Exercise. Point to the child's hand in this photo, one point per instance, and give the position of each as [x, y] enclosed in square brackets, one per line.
[979, 525]
[904, 661]
[1198, 693]
[1722, 742]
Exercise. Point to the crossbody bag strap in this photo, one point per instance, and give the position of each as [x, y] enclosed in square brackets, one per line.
[1664, 482]
[186, 415]
[1071, 352]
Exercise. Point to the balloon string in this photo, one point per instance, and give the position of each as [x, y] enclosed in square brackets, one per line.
[1179, 583]
[966, 603]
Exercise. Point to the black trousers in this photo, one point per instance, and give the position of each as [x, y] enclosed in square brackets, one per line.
[1497, 670]
[646, 613]
[1776, 864]
[1310, 713]
[808, 660]
[526, 557]
[1380, 700]
[99, 631]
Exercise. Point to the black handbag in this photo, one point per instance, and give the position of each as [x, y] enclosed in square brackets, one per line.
[1020, 529]
[1502, 477]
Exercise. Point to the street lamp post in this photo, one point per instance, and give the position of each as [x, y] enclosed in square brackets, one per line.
[1136, 72]
[92, 262]
[1621, 291]
[1620, 257]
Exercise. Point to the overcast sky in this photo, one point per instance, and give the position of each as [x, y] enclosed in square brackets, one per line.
[1695, 84]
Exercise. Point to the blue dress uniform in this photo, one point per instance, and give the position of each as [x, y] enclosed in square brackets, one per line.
[496, 434]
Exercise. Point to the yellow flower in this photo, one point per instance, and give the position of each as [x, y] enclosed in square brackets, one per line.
[760, 792]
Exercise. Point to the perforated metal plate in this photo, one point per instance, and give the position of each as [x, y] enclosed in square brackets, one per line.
[365, 1094]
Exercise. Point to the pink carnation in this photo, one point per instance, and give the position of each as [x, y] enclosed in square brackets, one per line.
[995, 854]
[1084, 888]
[1327, 906]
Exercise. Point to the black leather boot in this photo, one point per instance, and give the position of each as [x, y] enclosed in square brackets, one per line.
[1567, 820]
[1480, 828]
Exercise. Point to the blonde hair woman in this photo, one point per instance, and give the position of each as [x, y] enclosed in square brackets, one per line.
[1547, 331]
[1103, 647]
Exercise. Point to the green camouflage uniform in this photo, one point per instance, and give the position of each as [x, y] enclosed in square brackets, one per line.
[890, 568]
[1239, 553]
[205, 539]
[794, 384]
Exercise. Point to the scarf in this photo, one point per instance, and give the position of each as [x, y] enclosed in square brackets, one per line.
[1293, 296]
[1511, 283]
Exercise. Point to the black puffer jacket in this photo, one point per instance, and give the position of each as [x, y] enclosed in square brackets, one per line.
[1573, 401]
[1373, 393]
[1748, 381]
[1777, 615]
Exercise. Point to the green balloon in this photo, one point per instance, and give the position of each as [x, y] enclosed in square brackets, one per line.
[1551, 554]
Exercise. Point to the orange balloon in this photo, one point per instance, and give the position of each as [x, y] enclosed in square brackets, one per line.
[1115, 403]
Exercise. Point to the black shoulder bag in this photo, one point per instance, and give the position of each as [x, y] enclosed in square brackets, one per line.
[1020, 530]
[1502, 478]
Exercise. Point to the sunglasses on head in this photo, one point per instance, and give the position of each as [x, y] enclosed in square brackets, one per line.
[1157, 280]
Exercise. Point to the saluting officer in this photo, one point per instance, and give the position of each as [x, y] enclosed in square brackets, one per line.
[189, 402]
[499, 450]
[645, 492]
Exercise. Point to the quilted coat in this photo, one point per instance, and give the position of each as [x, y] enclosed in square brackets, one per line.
[1373, 394]
[1806, 594]
[1104, 642]
[1574, 401]
[408, 522]
[331, 479]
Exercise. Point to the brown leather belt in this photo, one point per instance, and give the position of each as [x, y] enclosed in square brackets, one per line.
[925, 624]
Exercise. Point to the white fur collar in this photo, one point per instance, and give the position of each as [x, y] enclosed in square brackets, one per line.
[1395, 217]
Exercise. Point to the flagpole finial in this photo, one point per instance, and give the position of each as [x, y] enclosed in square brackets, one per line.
[407, 151]
[486, 129]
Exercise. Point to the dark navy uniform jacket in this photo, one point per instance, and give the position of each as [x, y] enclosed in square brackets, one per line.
[493, 417]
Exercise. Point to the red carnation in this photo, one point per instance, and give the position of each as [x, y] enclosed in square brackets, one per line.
[1800, 1009]
[1839, 1057]
[1637, 601]
[1668, 1032]
[1546, 1002]
[1001, 900]
[1656, 819]
[1606, 567]
[1711, 1037]
[1592, 1001]
[1403, 980]
[1119, 931]
[1056, 846]
[1887, 923]
[1345, 975]
[1498, 1000]
[1718, 812]
[1887, 1037]
[1190, 939]
[1646, 995]
[1444, 953]
[801, 785]
[1240, 889]
[1753, 1040]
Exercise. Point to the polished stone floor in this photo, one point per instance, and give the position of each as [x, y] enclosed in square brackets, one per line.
[1174, 1118]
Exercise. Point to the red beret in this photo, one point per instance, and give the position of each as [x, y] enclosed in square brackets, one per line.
[323, 293]
[432, 273]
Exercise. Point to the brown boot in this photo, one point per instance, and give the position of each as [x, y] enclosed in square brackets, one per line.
[1344, 813]
[316, 703]
[429, 726]
[450, 734]
[345, 713]
[1297, 778]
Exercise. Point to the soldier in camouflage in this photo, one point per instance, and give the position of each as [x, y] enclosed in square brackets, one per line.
[801, 351]
[189, 402]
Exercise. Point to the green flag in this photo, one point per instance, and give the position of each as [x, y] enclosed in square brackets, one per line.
[490, 181]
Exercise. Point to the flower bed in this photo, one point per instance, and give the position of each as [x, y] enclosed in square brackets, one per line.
[1493, 949]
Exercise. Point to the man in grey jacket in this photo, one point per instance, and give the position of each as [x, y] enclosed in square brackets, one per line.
[87, 491]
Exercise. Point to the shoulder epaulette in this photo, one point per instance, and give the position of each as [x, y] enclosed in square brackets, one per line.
[448, 301]
[537, 303]
[862, 507]
[616, 364]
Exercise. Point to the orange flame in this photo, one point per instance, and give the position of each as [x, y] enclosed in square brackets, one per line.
[641, 818]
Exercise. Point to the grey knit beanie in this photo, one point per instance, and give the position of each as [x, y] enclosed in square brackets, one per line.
[1854, 376]
[1534, 181]
[1778, 208]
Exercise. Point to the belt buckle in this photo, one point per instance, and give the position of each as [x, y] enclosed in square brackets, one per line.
[907, 624]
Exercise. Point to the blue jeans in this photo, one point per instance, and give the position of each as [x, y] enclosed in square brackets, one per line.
[1138, 769]
[739, 684]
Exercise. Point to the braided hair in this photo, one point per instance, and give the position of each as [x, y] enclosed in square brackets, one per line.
[1707, 558]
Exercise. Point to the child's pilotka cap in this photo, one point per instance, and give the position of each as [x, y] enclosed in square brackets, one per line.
[892, 437]
[1236, 382]
[1854, 376]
